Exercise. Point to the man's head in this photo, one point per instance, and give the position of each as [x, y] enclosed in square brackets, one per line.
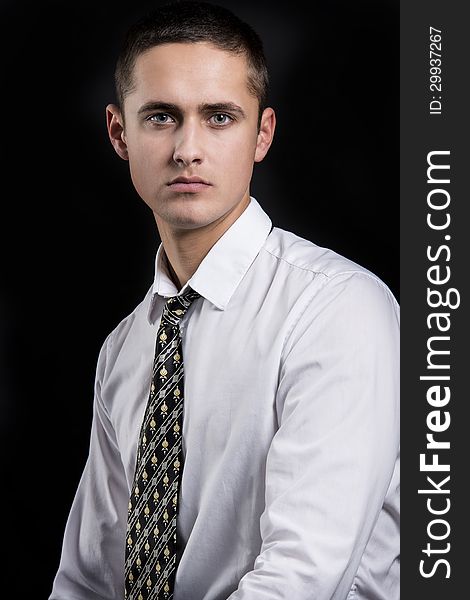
[189, 22]
[191, 82]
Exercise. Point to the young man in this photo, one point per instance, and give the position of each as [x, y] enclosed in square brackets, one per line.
[245, 432]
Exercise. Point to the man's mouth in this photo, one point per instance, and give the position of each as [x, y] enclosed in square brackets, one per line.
[189, 184]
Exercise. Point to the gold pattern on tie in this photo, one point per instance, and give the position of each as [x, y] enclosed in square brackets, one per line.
[151, 560]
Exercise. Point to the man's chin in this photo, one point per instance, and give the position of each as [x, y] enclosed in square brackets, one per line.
[188, 216]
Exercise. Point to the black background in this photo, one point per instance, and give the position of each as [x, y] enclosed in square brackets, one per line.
[78, 244]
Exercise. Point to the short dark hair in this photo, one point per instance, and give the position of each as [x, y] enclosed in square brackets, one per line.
[190, 22]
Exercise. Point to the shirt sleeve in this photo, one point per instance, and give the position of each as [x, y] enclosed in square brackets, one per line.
[92, 560]
[332, 458]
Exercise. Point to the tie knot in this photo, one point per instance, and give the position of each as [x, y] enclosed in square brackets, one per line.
[176, 307]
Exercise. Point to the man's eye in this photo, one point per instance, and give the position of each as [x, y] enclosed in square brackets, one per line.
[221, 119]
[160, 118]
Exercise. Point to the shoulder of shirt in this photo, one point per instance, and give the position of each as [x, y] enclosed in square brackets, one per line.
[283, 246]
[316, 261]
[119, 333]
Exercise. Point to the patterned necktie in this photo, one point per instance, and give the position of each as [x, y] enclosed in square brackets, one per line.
[151, 560]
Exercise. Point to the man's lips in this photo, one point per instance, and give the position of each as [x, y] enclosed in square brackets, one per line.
[188, 184]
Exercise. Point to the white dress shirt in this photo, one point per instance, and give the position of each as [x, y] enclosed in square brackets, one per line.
[290, 432]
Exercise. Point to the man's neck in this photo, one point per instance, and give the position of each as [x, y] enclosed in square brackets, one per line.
[185, 249]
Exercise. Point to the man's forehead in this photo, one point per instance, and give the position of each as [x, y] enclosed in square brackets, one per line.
[199, 61]
[190, 74]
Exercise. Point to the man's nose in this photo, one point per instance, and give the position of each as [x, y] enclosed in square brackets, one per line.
[188, 145]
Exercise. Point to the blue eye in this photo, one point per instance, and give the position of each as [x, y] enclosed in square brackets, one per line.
[221, 119]
[160, 118]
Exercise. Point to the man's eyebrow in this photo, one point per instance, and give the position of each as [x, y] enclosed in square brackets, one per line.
[206, 107]
[222, 107]
[158, 105]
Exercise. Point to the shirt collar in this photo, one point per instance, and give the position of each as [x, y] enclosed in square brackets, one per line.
[224, 266]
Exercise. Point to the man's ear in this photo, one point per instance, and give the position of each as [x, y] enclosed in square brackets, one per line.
[116, 132]
[265, 134]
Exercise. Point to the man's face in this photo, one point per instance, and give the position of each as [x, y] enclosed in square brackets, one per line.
[190, 116]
